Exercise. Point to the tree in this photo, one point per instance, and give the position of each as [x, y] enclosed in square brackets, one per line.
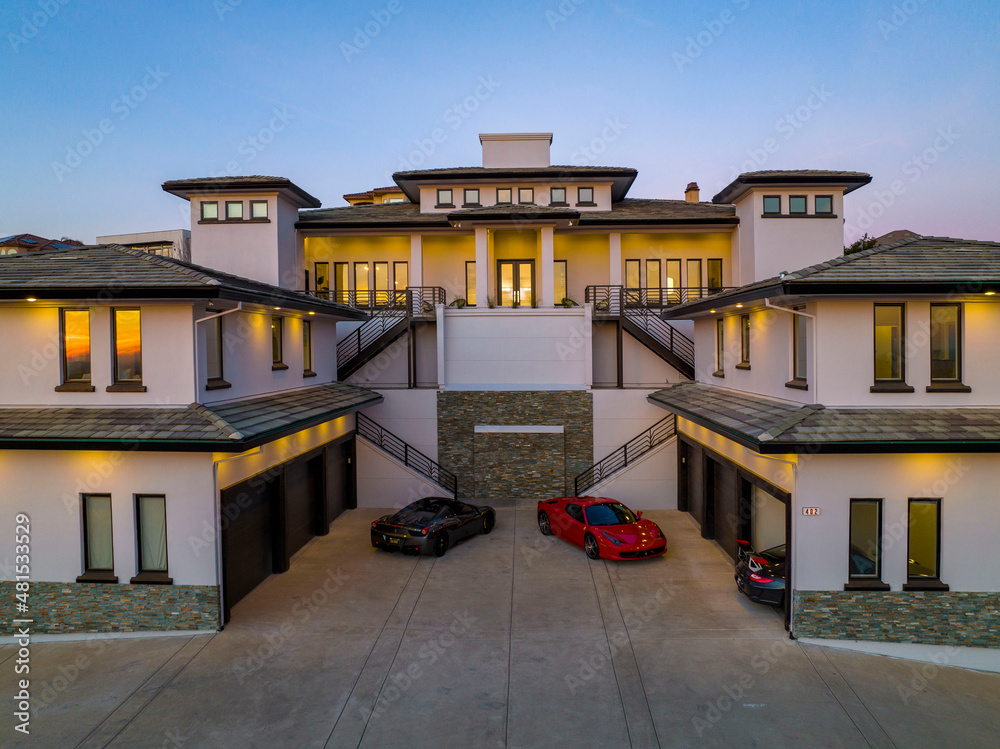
[865, 243]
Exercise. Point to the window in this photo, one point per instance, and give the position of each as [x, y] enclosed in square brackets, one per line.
[381, 283]
[946, 342]
[127, 334]
[772, 205]
[744, 342]
[322, 276]
[151, 534]
[75, 324]
[923, 546]
[209, 211]
[800, 346]
[889, 340]
[98, 548]
[234, 210]
[674, 294]
[865, 546]
[714, 275]
[444, 199]
[797, 204]
[258, 209]
[277, 341]
[213, 354]
[585, 196]
[561, 285]
[720, 348]
[557, 196]
[307, 349]
[632, 278]
[526, 195]
[471, 197]
[470, 282]
[362, 285]
[505, 195]
[341, 283]
[653, 274]
[824, 205]
[694, 279]
[400, 280]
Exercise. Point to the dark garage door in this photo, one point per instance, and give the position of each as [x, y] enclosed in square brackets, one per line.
[247, 536]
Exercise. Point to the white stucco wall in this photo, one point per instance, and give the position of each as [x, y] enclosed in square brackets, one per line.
[648, 484]
[31, 363]
[488, 194]
[384, 482]
[640, 366]
[47, 484]
[970, 515]
[391, 366]
[411, 415]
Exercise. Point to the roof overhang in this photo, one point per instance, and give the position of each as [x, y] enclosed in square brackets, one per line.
[746, 182]
[621, 179]
[287, 189]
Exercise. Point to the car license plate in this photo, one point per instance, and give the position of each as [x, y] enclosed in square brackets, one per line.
[396, 541]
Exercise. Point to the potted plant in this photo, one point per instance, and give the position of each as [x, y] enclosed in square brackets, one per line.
[567, 302]
[458, 303]
[491, 302]
[602, 305]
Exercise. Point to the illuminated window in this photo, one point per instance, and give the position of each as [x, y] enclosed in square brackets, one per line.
[946, 342]
[277, 343]
[744, 342]
[76, 348]
[714, 272]
[128, 346]
[633, 279]
[98, 549]
[923, 545]
[561, 283]
[470, 282]
[210, 211]
[889, 343]
[322, 276]
[720, 348]
[307, 349]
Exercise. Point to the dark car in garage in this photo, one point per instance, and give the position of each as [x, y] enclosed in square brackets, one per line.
[761, 574]
[431, 525]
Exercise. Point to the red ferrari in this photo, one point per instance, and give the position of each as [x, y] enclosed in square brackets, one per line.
[605, 528]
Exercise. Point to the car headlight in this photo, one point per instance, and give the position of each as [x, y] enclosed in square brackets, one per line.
[612, 539]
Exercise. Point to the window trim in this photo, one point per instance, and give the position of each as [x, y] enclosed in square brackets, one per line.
[468, 297]
[565, 263]
[261, 219]
[466, 203]
[341, 296]
[202, 210]
[552, 196]
[894, 385]
[307, 364]
[143, 576]
[531, 195]
[451, 197]
[579, 197]
[96, 575]
[799, 382]
[124, 386]
[744, 362]
[316, 266]
[805, 205]
[950, 385]
[67, 385]
[720, 347]
[709, 262]
[765, 212]
[817, 211]
[868, 582]
[279, 363]
[924, 583]
[234, 202]
[509, 201]
[216, 383]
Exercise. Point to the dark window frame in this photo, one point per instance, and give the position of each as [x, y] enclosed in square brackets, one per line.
[135, 384]
[939, 384]
[265, 217]
[744, 362]
[326, 275]
[66, 384]
[341, 296]
[772, 213]
[552, 196]
[96, 574]
[307, 349]
[916, 582]
[638, 264]
[799, 381]
[202, 210]
[531, 195]
[709, 263]
[218, 382]
[466, 203]
[816, 209]
[565, 264]
[805, 205]
[234, 202]
[469, 296]
[866, 582]
[890, 385]
[720, 347]
[449, 203]
[278, 363]
[579, 196]
[144, 576]
[510, 199]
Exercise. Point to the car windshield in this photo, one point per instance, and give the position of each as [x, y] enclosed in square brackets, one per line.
[774, 555]
[432, 506]
[610, 513]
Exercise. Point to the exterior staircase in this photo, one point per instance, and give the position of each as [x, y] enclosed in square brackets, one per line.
[662, 431]
[379, 437]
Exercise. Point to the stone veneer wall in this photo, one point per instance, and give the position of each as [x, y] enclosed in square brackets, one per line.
[62, 608]
[930, 618]
[504, 458]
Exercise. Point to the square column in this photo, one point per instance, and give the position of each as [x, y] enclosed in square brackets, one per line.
[547, 290]
[482, 266]
[416, 260]
[615, 246]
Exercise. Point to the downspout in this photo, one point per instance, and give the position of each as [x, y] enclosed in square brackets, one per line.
[795, 536]
[815, 342]
[218, 520]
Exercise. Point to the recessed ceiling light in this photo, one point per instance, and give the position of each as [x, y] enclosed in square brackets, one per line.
[739, 304]
[711, 310]
[277, 307]
[32, 299]
[312, 313]
[990, 293]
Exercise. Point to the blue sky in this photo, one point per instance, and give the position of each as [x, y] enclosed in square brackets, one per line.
[103, 101]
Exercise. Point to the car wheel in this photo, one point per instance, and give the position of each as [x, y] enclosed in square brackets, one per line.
[543, 524]
[441, 544]
[591, 547]
[488, 522]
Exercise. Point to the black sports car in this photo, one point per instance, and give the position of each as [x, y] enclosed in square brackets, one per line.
[761, 574]
[431, 525]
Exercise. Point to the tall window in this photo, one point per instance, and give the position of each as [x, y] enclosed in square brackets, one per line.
[714, 275]
[946, 342]
[307, 348]
[76, 348]
[341, 283]
[800, 347]
[720, 348]
[694, 279]
[632, 277]
[865, 550]
[151, 532]
[653, 281]
[400, 280]
[98, 548]
[561, 283]
[923, 545]
[361, 285]
[128, 346]
[381, 283]
[213, 350]
[277, 343]
[674, 294]
[744, 342]
[470, 282]
[322, 276]
[889, 343]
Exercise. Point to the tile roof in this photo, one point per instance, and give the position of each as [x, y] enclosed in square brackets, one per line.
[34, 243]
[647, 210]
[230, 427]
[930, 265]
[383, 215]
[770, 425]
[181, 187]
[120, 272]
[621, 177]
[849, 180]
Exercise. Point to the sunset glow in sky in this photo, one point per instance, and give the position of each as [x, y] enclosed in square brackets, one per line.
[106, 100]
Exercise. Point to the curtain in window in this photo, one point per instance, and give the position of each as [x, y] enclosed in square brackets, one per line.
[153, 534]
[100, 554]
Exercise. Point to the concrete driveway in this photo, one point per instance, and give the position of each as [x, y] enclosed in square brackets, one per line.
[510, 640]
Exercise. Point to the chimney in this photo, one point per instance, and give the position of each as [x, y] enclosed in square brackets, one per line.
[506, 150]
[691, 192]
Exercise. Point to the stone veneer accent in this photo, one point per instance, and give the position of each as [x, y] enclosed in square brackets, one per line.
[969, 619]
[515, 465]
[62, 608]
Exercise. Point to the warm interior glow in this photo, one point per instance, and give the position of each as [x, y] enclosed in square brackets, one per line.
[128, 345]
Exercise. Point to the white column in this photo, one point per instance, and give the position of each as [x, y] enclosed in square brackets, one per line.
[615, 247]
[416, 260]
[547, 292]
[482, 266]
[439, 316]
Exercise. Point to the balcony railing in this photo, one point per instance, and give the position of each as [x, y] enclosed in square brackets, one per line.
[610, 300]
[418, 300]
[627, 454]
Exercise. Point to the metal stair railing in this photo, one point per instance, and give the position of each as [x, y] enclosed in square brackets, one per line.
[662, 332]
[381, 320]
[627, 454]
[406, 454]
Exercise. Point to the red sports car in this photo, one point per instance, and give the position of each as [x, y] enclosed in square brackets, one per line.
[605, 528]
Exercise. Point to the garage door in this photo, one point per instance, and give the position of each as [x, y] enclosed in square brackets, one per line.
[247, 536]
[726, 505]
[302, 502]
[339, 482]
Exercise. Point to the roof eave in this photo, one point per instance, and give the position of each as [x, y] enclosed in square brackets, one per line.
[740, 186]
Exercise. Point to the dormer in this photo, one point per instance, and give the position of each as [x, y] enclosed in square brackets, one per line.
[245, 225]
[788, 219]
